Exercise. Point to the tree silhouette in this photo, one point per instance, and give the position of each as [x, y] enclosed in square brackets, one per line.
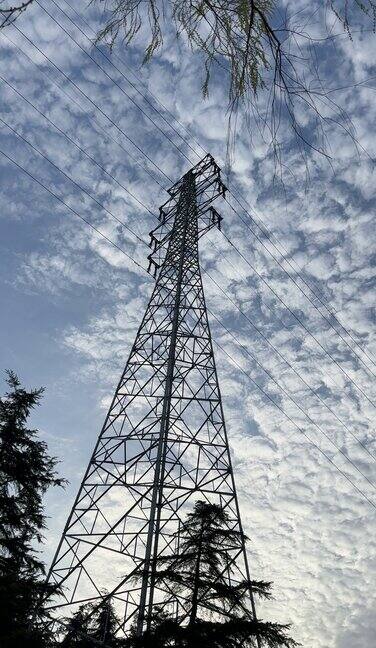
[26, 472]
[91, 626]
[77, 629]
[105, 624]
[218, 612]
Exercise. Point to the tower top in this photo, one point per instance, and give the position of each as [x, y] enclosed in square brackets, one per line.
[209, 186]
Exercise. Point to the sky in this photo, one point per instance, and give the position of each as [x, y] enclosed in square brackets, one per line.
[72, 302]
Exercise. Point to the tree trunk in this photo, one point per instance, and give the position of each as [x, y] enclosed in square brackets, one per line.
[196, 583]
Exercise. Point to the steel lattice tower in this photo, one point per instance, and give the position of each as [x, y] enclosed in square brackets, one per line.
[163, 445]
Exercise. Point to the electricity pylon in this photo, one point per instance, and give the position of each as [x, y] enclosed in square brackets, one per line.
[163, 444]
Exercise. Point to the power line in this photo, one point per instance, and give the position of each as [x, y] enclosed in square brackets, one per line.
[82, 150]
[73, 100]
[45, 157]
[55, 165]
[142, 268]
[284, 255]
[297, 318]
[300, 289]
[263, 229]
[189, 160]
[296, 425]
[293, 333]
[121, 222]
[74, 211]
[149, 92]
[296, 372]
[107, 74]
[93, 103]
[268, 233]
[128, 228]
[133, 85]
[286, 393]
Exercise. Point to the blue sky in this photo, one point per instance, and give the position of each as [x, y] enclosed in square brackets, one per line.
[72, 302]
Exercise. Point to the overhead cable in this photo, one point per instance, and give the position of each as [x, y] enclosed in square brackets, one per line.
[296, 425]
[144, 270]
[77, 184]
[71, 209]
[288, 395]
[127, 79]
[93, 103]
[286, 272]
[299, 320]
[266, 338]
[72, 141]
[82, 110]
[104, 71]
[263, 228]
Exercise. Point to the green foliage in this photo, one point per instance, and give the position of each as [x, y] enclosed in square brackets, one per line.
[105, 625]
[198, 572]
[238, 35]
[77, 629]
[26, 472]
[234, 33]
[255, 45]
[344, 11]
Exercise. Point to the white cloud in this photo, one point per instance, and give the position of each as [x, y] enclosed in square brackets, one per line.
[311, 532]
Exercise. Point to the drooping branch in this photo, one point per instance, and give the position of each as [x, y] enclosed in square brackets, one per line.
[265, 53]
[268, 57]
[10, 14]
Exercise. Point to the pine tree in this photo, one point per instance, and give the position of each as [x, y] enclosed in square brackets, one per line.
[92, 627]
[26, 472]
[78, 629]
[105, 626]
[197, 574]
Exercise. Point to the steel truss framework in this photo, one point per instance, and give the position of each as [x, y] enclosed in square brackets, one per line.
[163, 445]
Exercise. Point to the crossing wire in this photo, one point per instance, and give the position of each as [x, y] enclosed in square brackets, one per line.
[296, 425]
[161, 130]
[123, 224]
[286, 393]
[99, 66]
[74, 211]
[284, 359]
[67, 176]
[73, 100]
[138, 238]
[149, 210]
[82, 150]
[298, 319]
[264, 229]
[187, 158]
[300, 288]
[77, 184]
[52, 193]
[92, 102]
[127, 79]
